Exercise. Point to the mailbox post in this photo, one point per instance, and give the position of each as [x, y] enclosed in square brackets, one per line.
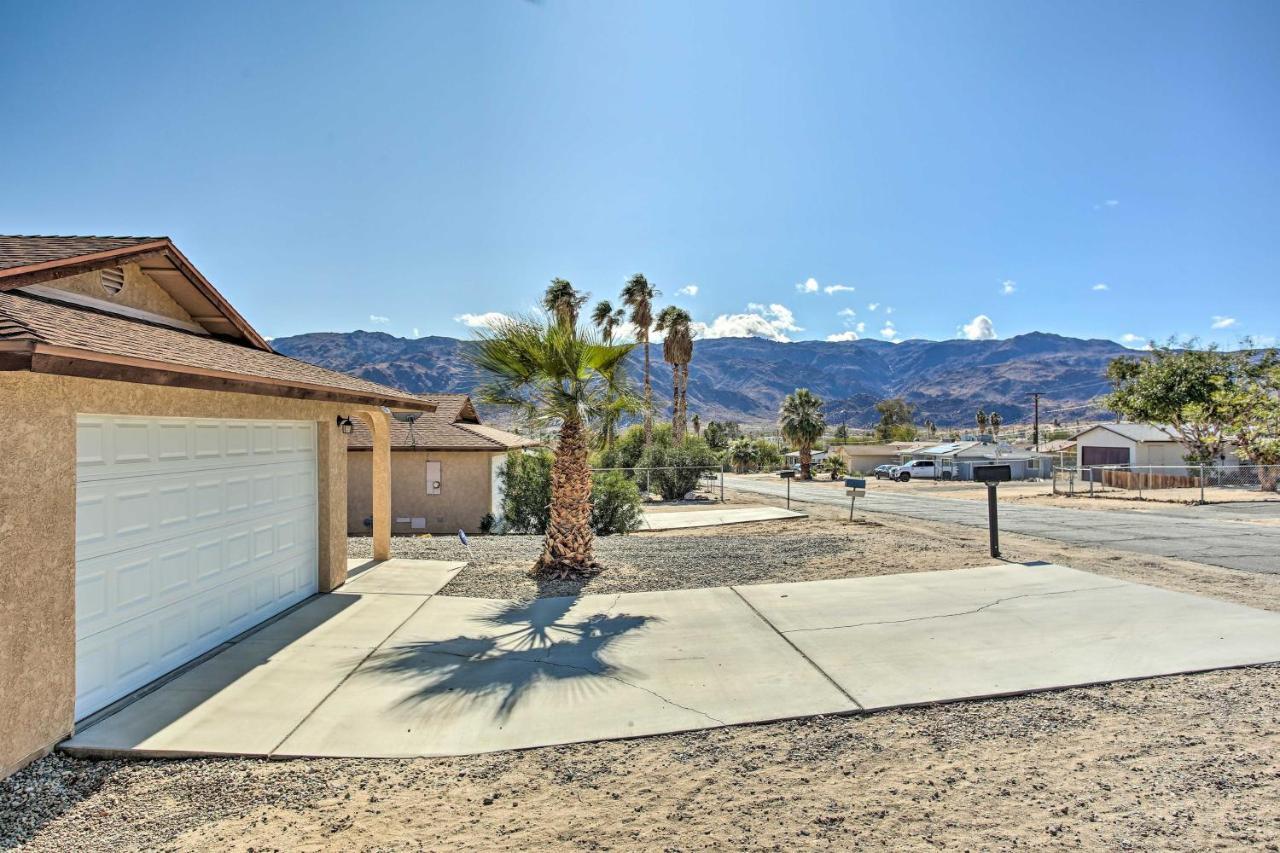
[788, 475]
[993, 476]
[854, 487]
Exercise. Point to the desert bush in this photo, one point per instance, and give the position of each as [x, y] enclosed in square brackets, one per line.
[526, 498]
[615, 504]
[683, 466]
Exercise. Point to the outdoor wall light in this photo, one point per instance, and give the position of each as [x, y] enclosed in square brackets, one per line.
[346, 425]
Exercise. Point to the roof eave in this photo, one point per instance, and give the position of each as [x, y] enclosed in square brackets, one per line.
[67, 361]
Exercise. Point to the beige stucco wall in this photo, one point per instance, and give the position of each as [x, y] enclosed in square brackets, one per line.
[465, 489]
[140, 292]
[37, 529]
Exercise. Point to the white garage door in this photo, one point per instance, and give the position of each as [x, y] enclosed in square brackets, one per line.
[188, 532]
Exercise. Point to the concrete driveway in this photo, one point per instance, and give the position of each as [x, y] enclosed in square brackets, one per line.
[1213, 535]
[713, 516]
[386, 668]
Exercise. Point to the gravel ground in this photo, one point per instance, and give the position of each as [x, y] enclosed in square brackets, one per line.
[1182, 763]
[1185, 763]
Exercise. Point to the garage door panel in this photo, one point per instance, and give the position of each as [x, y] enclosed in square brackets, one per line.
[115, 515]
[114, 662]
[188, 532]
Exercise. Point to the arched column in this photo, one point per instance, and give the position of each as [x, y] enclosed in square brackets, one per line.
[379, 423]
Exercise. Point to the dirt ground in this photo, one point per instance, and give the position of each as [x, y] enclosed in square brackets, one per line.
[1182, 763]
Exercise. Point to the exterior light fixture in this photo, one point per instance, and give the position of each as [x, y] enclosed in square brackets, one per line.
[345, 424]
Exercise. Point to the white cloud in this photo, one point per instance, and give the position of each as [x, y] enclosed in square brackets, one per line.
[809, 286]
[1007, 287]
[762, 321]
[1111, 202]
[871, 306]
[688, 290]
[889, 310]
[849, 335]
[888, 332]
[1100, 286]
[416, 334]
[846, 312]
[980, 328]
[861, 328]
[378, 318]
[1220, 322]
[1131, 338]
[837, 288]
[481, 321]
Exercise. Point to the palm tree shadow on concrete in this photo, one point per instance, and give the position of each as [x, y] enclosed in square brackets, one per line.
[529, 642]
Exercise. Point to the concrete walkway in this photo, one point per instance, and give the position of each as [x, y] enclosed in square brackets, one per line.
[389, 669]
[713, 516]
[1218, 537]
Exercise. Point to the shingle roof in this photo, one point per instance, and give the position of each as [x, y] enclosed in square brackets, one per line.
[45, 321]
[1137, 432]
[442, 430]
[21, 251]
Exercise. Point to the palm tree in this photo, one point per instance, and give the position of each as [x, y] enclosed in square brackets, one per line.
[560, 375]
[931, 428]
[697, 424]
[563, 301]
[741, 452]
[677, 351]
[607, 319]
[802, 425]
[638, 295]
[995, 421]
[982, 422]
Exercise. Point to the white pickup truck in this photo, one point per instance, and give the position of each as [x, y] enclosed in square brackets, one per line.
[921, 469]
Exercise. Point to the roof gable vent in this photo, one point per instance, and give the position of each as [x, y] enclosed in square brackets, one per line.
[112, 280]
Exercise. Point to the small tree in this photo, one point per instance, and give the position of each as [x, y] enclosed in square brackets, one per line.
[982, 422]
[841, 434]
[802, 424]
[741, 454]
[895, 414]
[995, 421]
[1201, 393]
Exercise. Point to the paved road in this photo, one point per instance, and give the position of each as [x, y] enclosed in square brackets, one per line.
[1201, 534]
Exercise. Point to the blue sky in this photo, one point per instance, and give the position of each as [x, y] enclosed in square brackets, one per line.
[400, 165]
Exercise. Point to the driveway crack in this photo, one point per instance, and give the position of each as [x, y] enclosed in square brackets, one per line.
[986, 606]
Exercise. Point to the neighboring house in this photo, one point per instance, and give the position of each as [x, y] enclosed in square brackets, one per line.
[865, 457]
[444, 470]
[1136, 444]
[816, 456]
[959, 458]
[169, 480]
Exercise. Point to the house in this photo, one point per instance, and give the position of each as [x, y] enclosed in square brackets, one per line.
[169, 480]
[815, 457]
[1136, 444]
[865, 457]
[445, 470]
[957, 459]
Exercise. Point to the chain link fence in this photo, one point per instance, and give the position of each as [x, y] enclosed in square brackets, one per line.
[676, 483]
[1173, 483]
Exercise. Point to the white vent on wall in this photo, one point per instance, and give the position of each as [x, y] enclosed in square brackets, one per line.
[113, 280]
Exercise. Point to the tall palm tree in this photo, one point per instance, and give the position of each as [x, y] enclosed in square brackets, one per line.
[697, 424]
[995, 421]
[638, 295]
[607, 319]
[677, 351]
[557, 374]
[802, 424]
[563, 301]
[742, 453]
[982, 422]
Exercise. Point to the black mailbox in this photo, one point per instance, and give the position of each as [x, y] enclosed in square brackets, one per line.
[992, 473]
[787, 474]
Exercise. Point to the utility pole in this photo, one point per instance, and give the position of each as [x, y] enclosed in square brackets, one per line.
[1035, 430]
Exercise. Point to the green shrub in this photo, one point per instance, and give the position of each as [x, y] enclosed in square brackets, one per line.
[526, 492]
[615, 504]
[690, 461]
[526, 497]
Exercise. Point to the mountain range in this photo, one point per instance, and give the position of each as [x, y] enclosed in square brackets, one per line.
[745, 379]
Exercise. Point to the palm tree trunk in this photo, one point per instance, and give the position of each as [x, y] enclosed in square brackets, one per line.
[677, 432]
[567, 546]
[684, 398]
[806, 461]
[648, 395]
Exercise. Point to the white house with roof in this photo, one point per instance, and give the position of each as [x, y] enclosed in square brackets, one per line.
[1136, 445]
[959, 458]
